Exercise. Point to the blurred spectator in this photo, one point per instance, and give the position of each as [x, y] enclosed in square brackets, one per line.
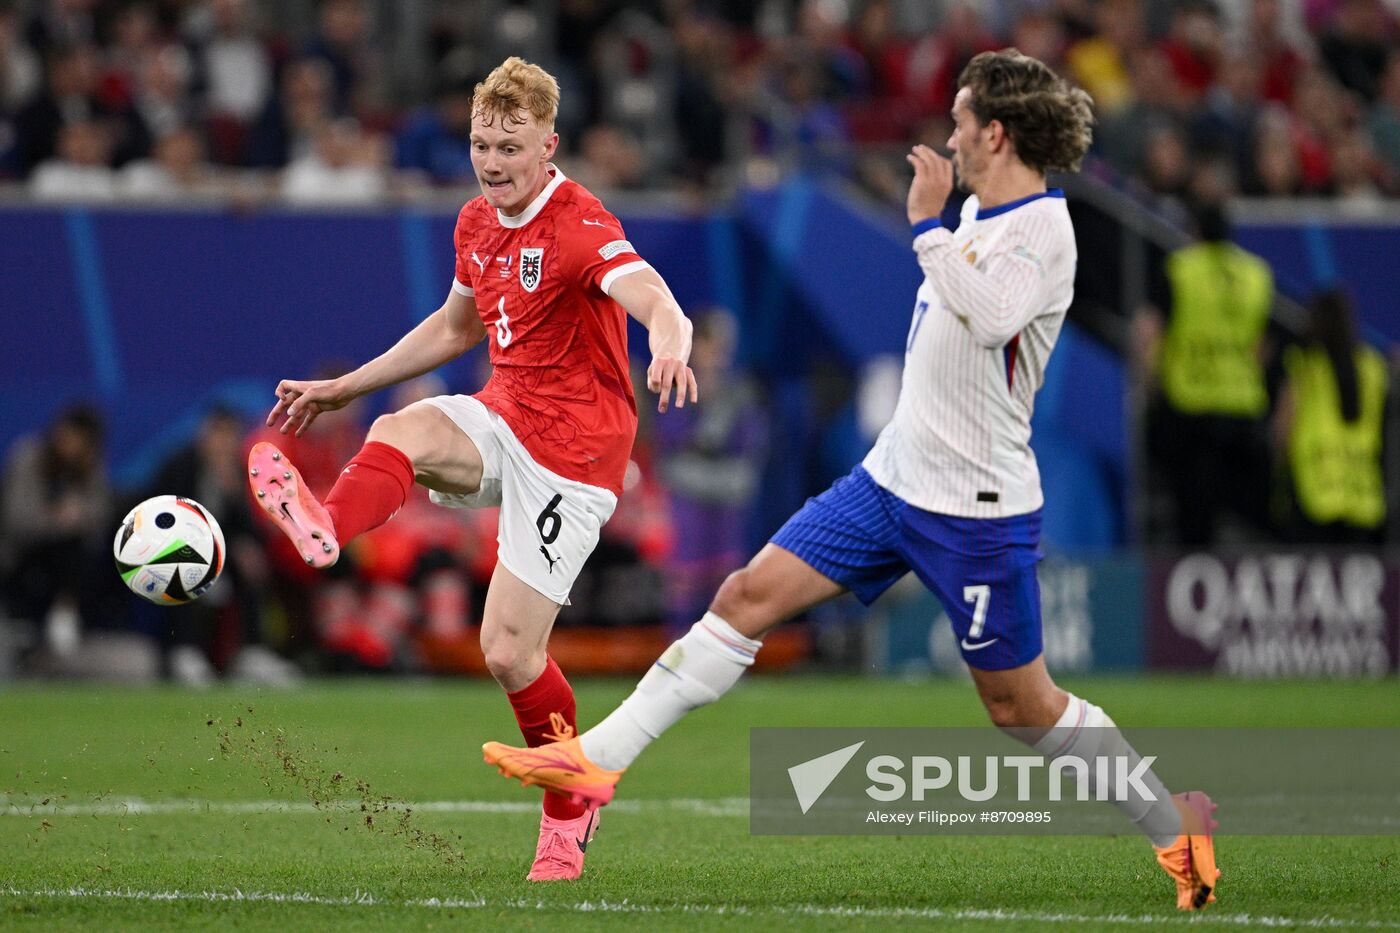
[233, 66]
[1225, 121]
[55, 525]
[1100, 62]
[1357, 43]
[345, 167]
[81, 171]
[711, 460]
[1355, 170]
[177, 170]
[223, 628]
[1168, 167]
[1280, 56]
[802, 124]
[609, 159]
[1385, 116]
[1155, 102]
[20, 74]
[705, 92]
[290, 122]
[69, 96]
[1324, 114]
[60, 23]
[135, 40]
[1205, 430]
[1275, 170]
[938, 57]
[1192, 45]
[437, 140]
[1040, 34]
[160, 96]
[342, 41]
[1330, 425]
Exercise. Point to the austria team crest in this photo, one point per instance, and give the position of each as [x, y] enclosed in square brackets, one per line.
[531, 259]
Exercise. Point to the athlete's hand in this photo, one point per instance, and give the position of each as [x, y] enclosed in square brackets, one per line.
[302, 400]
[666, 373]
[933, 182]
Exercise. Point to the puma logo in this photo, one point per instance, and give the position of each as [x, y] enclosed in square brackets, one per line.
[562, 730]
[552, 560]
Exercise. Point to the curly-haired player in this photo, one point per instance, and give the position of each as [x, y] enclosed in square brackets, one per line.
[951, 490]
[545, 273]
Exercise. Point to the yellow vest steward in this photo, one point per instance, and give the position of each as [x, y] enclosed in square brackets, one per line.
[1337, 465]
[1221, 297]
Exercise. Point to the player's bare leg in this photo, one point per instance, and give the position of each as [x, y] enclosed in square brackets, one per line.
[697, 669]
[444, 458]
[514, 638]
[419, 443]
[515, 630]
[1026, 701]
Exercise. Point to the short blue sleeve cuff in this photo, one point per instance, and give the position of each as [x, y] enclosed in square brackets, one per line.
[924, 226]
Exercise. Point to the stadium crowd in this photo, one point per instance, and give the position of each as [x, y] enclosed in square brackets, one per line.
[354, 100]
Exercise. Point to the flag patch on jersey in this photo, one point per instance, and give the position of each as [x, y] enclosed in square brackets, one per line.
[531, 259]
[615, 247]
[1030, 256]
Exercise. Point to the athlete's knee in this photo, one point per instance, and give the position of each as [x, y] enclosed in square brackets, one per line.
[1009, 709]
[1004, 711]
[400, 430]
[509, 658]
[744, 602]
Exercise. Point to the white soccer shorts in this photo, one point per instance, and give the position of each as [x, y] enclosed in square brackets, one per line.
[548, 525]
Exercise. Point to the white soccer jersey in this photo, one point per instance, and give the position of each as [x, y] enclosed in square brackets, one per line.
[988, 312]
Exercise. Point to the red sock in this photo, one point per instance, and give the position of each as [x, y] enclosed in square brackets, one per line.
[545, 712]
[372, 487]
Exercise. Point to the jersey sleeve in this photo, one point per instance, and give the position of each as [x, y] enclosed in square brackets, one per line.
[999, 297]
[461, 241]
[599, 250]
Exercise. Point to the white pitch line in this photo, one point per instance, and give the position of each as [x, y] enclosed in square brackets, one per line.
[135, 806]
[992, 915]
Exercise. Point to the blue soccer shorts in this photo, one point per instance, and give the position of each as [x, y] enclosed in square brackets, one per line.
[981, 569]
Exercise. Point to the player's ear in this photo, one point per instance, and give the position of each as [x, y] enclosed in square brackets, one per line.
[996, 135]
[551, 146]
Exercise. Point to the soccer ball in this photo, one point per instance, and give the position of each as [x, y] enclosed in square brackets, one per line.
[169, 550]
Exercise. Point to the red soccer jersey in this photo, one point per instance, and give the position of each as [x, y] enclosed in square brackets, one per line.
[558, 342]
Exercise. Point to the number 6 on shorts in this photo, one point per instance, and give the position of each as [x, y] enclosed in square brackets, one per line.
[550, 518]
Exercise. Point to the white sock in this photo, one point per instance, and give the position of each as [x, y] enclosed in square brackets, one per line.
[697, 669]
[1086, 731]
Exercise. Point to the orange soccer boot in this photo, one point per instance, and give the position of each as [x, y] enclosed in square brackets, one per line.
[560, 766]
[1190, 860]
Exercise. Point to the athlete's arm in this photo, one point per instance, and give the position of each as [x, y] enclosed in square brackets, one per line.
[645, 295]
[444, 335]
[996, 300]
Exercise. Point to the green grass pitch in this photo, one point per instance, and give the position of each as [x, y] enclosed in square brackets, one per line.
[206, 846]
